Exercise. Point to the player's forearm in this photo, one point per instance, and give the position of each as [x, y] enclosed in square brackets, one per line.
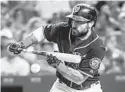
[71, 74]
[36, 36]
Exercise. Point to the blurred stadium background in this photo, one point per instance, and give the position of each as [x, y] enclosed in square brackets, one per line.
[19, 18]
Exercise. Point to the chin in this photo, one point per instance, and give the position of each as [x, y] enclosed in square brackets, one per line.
[82, 34]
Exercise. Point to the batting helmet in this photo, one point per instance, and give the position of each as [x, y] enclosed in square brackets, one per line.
[83, 12]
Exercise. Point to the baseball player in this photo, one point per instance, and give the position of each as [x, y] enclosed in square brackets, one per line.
[78, 37]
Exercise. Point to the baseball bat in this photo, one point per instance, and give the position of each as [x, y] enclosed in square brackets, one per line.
[61, 56]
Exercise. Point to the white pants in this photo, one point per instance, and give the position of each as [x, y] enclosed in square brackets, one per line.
[61, 87]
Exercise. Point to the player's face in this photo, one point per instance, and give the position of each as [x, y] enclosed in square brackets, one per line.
[79, 28]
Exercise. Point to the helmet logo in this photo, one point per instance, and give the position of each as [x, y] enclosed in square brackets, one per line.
[76, 9]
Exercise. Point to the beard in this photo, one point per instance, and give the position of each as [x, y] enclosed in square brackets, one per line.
[76, 33]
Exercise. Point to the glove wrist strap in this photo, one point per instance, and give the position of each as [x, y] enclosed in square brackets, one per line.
[22, 45]
[57, 64]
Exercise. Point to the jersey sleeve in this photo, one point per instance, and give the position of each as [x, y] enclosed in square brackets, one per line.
[91, 63]
[51, 31]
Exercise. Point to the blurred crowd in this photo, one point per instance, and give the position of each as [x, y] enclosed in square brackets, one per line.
[19, 18]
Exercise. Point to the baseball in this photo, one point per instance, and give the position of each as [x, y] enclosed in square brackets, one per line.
[35, 68]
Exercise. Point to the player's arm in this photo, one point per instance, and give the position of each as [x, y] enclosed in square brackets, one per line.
[71, 74]
[34, 37]
[48, 32]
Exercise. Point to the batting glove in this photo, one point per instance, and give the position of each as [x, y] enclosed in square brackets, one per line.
[16, 48]
[53, 60]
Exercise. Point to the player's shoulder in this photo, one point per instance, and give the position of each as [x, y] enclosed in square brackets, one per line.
[62, 24]
[57, 25]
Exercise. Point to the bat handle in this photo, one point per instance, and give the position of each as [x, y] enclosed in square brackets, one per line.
[39, 53]
[36, 52]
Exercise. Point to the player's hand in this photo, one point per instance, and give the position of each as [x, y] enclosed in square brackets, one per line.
[53, 60]
[16, 48]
